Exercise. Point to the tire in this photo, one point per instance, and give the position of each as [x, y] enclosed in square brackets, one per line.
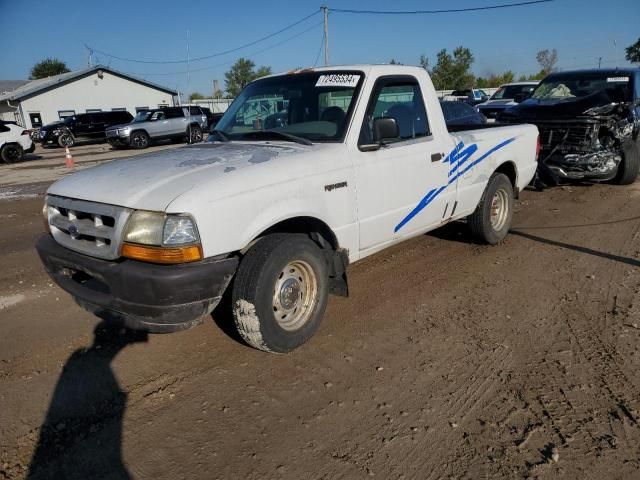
[11, 153]
[491, 220]
[194, 134]
[630, 164]
[66, 140]
[139, 140]
[280, 292]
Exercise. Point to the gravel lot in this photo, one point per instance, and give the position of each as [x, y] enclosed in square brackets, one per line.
[449, 360]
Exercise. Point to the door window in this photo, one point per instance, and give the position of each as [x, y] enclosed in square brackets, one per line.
[400, 99]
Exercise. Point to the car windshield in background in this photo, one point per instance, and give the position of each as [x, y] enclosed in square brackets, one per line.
[565, 87]
[313, 105]
[510, 91]
[142, 116]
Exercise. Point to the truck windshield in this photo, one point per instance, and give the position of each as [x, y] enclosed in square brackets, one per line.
[575, 85]
[316, 106]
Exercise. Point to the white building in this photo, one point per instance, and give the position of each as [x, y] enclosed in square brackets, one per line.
[93, 89]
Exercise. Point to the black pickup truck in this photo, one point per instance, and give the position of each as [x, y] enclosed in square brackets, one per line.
[588, 122]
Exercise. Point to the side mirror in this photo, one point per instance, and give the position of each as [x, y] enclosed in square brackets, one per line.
[520, 97]
[385, 128]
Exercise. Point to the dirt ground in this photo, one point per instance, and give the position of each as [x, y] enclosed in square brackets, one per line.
[449, 360]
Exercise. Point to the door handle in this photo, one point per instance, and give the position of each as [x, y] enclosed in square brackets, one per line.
[436, 157]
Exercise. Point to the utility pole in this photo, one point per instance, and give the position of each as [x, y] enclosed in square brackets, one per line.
[325, 11]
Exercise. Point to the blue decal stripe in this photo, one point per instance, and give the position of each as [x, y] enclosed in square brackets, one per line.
[475, 162]
[458, 158]
[463, 157]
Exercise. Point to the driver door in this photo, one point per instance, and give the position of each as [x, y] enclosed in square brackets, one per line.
[402, 187]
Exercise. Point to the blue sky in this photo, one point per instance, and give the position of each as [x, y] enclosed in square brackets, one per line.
[581, 31]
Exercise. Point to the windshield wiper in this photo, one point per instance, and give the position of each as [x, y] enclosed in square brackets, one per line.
[221, 135]
[286, 136]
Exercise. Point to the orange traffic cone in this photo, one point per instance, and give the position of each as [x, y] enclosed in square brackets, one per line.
[68, 158]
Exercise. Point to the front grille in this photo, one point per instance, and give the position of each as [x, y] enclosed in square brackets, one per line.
[491, 112]
[568, 137]
[91, 228]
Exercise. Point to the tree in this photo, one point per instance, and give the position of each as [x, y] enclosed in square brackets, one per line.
[495, 80]
[241, 74]
[393, 61]
[451, 71]
[196, 96]
[48, 68]
[547, 60]
[633, 52]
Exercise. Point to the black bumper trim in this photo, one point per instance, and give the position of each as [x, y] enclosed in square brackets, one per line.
[146, 296]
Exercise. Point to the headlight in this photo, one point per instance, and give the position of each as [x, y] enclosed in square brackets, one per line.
[154, 228]
[123, 131]
[160, 238]
[145, 228]
[179, 230]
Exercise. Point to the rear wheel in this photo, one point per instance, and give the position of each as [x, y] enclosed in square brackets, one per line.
[280, 292]
[139, 140]
[11, 153]
[491, 220]
[630, 164]
[194, 134]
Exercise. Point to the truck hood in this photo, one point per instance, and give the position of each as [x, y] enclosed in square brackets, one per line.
[497, 103]
[533, 109]
[152, 181]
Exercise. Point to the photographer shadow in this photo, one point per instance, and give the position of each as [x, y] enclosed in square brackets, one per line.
[81, 436]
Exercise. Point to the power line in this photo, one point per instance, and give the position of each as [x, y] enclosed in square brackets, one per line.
[319, 50]
[218, 54]
[288, 39]
[429, 12]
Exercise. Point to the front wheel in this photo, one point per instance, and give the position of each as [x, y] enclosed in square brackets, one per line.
[491, 220]
[630, 165]
[280, 292]
[66, 140]
[139, 140]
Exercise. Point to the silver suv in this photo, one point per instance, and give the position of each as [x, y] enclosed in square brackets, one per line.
[174, 123]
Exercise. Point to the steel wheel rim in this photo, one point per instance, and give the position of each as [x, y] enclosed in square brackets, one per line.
[499, 209]
[295, 295]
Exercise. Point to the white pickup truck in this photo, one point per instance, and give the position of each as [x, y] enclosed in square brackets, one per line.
[306, 173]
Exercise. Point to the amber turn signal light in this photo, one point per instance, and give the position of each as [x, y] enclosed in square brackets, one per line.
[165, 255]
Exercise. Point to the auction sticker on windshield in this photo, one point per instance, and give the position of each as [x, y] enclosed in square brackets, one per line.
[618, 79]
[338, 80]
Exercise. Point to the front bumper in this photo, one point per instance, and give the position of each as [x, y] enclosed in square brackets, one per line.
[117, 138]
[145, 296]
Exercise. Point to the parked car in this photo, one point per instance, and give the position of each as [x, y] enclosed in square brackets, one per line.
[83, 127]
[148, 126]
[506, 96]
[15, 141]
[461, 113]
[201, 113]
[212, 118]
[588, 121]
[364, 161]
[472, 96]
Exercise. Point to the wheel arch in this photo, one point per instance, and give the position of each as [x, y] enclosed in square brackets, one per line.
[509, 169]
[322, 234]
